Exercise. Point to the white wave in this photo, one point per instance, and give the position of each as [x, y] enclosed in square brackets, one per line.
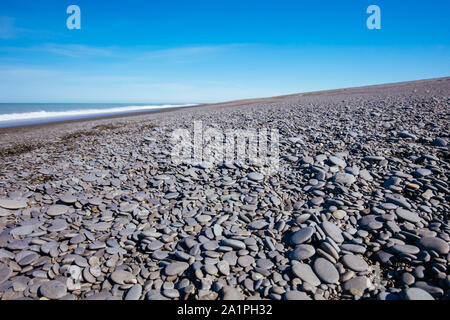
[35, 115]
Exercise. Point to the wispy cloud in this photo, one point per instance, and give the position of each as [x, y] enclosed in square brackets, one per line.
[8, 29]
[87, 51]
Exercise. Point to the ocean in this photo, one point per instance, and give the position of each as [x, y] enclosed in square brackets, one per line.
[17, 114]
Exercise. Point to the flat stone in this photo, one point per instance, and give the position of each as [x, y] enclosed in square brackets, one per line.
[5, 272]
[357, 285]
[344, 178]
[245, 261]
[57, 210]
[68, 198]
[123, 277]
[176, 268]
[337, 161]
[255, 176]
[13, 204]
[235, 244]
[265, 264]
[417, 294]
[302, 235]
[332, 231]
[356, 263]
[230, 293]
[134, 293]
[22, 231]
[434, 243]
[326, 271]
[407, 215]
[302, 252]
[296, 295]
[405, 248]
[53, 289]
[257, 224]
[304, 272]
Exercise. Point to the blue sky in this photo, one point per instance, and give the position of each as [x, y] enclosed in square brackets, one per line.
[205, 51]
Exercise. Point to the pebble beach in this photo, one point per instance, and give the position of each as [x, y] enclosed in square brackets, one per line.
[358, 208]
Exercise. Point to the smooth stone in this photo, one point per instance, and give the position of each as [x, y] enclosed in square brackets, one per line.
[405, 248]
[176, 268]
[245, 261]
[417, 294]
[304, 272]
[344, 178]
[255, 176]
[53, 289]
[122, 277]
[326, 271]
[230, 293]
[257, 224]
[264, 263]
[22, 231]
[235, 244]
[356, 263]
[302, 252]
[13, 204]
[5, 272]
[337, 161]
[134, 293]
[357, 285]
[434, 243]
[57, 210]
[68, 199]
[407, 215]
[332, 231]
[296, 295]
[302, 235]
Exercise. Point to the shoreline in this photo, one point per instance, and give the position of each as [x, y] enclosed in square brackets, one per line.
[231, 103]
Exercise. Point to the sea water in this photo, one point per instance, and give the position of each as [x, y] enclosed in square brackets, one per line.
[17, 114]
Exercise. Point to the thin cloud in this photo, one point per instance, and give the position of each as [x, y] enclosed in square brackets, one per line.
[8, 30]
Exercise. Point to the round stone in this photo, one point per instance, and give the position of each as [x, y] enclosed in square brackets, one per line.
[304, 272]
[134, 293]
[122, 277]
[257, 224]
[417, 294]
[326, 271]
[357, 285]
[296, 295]
[245, 261]
[68, 198]
[230, 293]
[22, 231]
[5, 272]
[53, 289]
[224, 267]
[255, 176]
[176, 268]
[356, 263]
[333, 231]
[264, 264]
[407, 215]
[434, 243]
[405, 248]
[57, 210]
[302, 252]
[13, 204]
[235, 244]
[339, 214]
[302, 235]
